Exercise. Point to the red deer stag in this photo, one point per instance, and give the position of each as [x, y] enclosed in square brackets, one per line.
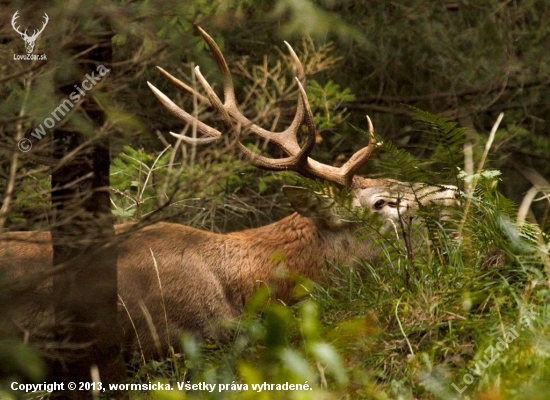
[204, 277]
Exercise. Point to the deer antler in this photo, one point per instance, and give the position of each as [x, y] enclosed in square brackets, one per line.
[16, 28]
[46, 19]
[298, 159]
[24, 34]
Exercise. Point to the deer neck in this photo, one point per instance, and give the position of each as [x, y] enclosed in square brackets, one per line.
[282, 251]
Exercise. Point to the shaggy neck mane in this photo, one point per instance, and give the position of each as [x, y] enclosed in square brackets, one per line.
[294, 246]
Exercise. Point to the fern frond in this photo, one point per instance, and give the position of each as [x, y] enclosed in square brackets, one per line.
[400, 164]
[446, 139]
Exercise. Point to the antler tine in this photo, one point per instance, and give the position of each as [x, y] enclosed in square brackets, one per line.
[230, 103]
[228, 88]
[183, 87]
[298, 161]
[357, 160]
[212, 133]
[343, 176]
[310, 123]
[214, 100]
[195, 141]
[15, 16]
[300, 73]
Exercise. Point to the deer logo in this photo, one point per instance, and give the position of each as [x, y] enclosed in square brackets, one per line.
[29, 40]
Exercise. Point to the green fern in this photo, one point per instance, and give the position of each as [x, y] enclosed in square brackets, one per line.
[446, 140]
[402, 165]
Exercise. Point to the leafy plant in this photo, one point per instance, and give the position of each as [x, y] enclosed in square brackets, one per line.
[326, 101]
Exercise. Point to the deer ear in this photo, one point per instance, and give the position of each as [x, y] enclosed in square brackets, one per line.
[308, 205]
[302, 200]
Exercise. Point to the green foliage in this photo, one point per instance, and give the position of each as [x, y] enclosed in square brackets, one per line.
[325, 101]
[401, 164]
[210, 193]
[445, 136]
[486, 176]
[318, 20]
[140, 178]
[442, 152]
[18, 363]
[275, 345]
[32, 198]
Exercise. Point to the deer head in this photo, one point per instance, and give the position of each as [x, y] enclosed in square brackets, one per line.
[29, 40]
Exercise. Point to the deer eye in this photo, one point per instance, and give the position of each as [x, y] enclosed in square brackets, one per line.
[379, 204]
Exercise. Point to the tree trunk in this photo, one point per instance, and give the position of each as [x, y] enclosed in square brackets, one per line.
[85, 296]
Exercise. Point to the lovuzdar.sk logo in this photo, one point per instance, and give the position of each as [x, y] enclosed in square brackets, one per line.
[29, 40]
